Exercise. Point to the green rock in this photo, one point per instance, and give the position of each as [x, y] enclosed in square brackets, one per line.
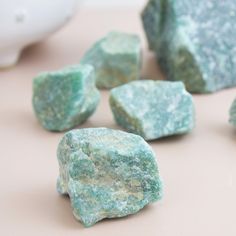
[194, 41]
[107, 173]
[153, 109]
[116, 59]
[66, 98]
[232, 113]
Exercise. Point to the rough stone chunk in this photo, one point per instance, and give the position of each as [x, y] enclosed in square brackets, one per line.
[194, 41]
[107, 173]
[232, 113]
[153, 109]
[116, 59]
[66, 98]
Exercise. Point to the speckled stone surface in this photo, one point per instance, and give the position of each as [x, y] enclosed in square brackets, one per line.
[116, 58]
[232, 113]
[153, 109]
[107, 173]
[194, 41]
[65, 98]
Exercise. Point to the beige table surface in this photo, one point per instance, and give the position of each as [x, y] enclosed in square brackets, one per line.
[198, 170]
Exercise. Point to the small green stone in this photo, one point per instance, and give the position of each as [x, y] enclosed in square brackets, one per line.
[232, 113]
[107, 173]
[153, 109]
[116, 59]
[66, 98]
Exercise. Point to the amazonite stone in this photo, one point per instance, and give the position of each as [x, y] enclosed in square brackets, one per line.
[232, 113]
[107, 173]
[65, 98]
[194, 41]
[153, 109]
[116, 59]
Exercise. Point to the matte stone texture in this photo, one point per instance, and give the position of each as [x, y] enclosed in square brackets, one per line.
[65, 98]
[153, 109]
[116, 59]
[194, 41]
[107, 173]
[232, 113]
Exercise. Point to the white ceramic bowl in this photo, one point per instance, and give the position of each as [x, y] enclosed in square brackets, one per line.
[24, 22]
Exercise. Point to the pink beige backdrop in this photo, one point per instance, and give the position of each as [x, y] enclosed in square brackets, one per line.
[198, 170]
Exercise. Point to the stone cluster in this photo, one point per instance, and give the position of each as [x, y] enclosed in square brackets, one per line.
[110, 173]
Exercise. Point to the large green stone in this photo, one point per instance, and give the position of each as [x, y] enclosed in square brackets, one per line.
[66, 98]
[116, 59]
[153, 109]
[232, 113]
[194, 41]
[107, 173]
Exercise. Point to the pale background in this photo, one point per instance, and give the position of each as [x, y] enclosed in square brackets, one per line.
[106, 3]
[198, 169]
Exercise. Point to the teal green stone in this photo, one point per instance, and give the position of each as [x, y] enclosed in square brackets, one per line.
[65, 98]
[153, 109]
[194, 41]
[107, 173]
[232, 113]
[116, 59]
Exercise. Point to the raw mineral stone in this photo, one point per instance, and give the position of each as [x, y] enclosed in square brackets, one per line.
[194, 41]
[107, 173]
[153, 109]
[232, 113]
[116, 58]
[66, 98]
